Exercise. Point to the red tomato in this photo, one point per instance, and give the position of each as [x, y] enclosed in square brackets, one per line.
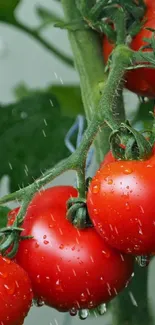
[15, 293]
[109, 158]
[68, 268]
[140, 81]
[150, 7]
[121, 204]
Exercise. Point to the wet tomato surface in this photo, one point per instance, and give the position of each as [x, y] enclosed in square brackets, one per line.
[69, 269]
[121, 204]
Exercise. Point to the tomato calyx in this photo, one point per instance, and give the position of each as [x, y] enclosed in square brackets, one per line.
[77, 213]
[129, 144]
[101, 16]
[9, 239]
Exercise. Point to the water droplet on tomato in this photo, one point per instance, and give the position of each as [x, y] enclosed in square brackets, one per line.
[44, 237]
[46, 242]
[3, 274]
[59, 285]
[96, 188]
[102, 279]
[73, 248]
[83, 313]
[110, 181]
[102, 309]
[73, 311]
[95, 211]
[127, 205]
[6, 260]
[122, 257]
[140, 231]
[90, 304]
[141, 208]
[136, 247]
[36, 245]
[87, 273]
[83, 296]
[127, 171]
[10, 288]
[106, 253]
[38, 278]
[61, 246]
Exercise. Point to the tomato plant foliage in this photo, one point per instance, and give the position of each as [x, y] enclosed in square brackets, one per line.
[27, 136]
[140, 81]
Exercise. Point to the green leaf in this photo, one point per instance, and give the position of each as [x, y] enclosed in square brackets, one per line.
[32, 135]
[3, 216]
[7, 8]
[47, 15]
[143, 119]
[22, 90]
[74, 25]
[68, 97]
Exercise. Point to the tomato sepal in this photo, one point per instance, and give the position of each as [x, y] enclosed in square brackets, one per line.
[77, 213]
[129, 144]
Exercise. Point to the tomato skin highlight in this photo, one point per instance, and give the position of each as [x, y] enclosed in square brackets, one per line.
[15, 293]
[141, 81]
[68, 268]
[121, 205]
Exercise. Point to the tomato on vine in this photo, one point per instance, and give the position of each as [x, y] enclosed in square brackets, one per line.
[121, 205]
[142, 80]
[15, 293]
[109, 158]
[70, 269]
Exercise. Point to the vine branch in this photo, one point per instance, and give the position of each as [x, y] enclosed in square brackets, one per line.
[34, 34]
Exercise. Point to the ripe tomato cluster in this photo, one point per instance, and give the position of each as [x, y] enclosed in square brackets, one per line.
[69, 269]
[142, 80]
[75, 270]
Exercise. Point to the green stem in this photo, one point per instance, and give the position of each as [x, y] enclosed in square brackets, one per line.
[120, 25]
[87, 50]
[104, 114]
[33, 33]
